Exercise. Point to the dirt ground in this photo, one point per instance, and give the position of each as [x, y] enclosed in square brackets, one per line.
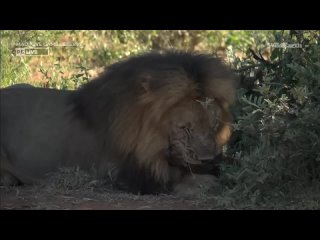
[44, 198]
[41, 198]
[72, 189]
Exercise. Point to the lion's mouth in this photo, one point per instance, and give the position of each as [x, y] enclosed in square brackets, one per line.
[181, 153]
[185, 157]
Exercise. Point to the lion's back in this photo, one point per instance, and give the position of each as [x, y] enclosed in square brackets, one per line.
[38, 130]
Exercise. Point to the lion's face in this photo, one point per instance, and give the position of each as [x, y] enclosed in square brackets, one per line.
[195, 131]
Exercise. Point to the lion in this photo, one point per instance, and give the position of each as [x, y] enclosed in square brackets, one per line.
[147, 122]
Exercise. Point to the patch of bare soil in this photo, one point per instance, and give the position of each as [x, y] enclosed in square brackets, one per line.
[72, 189]
[36, 197]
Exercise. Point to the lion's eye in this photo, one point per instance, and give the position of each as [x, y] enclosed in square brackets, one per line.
[188, 131]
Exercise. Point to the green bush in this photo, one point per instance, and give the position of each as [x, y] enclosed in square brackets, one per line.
[277, 127]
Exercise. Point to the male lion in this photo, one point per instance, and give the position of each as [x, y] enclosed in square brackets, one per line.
[146, 122]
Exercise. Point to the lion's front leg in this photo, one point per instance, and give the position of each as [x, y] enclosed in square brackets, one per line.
[194, 185]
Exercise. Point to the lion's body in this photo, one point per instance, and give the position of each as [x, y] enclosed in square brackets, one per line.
[118, 124]
[42, 132]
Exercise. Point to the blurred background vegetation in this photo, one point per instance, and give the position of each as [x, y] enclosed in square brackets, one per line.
[76, 56]
[276, 139]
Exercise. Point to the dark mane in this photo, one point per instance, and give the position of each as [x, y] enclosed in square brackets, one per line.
[111, 88]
